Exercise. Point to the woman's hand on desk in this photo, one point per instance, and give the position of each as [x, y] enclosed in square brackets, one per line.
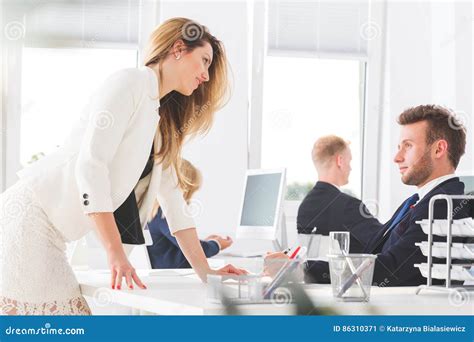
[121, 267]
[118, 262]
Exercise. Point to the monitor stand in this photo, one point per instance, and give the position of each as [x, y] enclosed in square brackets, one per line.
[281, 237]
[279, 243]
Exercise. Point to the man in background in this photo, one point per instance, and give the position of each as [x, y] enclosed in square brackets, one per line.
[326, 207]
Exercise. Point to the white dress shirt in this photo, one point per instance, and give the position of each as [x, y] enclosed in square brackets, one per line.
[425, 189]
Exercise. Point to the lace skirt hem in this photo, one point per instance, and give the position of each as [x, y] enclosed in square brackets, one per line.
[75, 306]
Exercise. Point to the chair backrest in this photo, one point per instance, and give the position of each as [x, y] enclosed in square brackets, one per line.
[317, 245]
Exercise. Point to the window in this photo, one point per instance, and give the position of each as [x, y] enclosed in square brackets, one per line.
[56, 85]
[303, 99]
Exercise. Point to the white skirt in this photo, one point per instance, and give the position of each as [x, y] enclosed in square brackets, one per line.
[35, 276]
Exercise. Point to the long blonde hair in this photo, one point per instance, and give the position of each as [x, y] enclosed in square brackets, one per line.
[193, 180]
[186, 116]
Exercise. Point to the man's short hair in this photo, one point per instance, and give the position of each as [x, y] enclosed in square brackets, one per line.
[442, 124]
[327, 147]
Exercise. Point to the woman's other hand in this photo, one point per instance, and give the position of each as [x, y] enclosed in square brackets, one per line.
[274, 262]
[120, 268]
[223, 242]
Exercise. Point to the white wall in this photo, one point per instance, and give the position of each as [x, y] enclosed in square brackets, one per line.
[13, 31]
[429, 60]
[222, 154]
[423, 55]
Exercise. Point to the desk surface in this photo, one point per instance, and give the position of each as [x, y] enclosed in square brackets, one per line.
[180, 292]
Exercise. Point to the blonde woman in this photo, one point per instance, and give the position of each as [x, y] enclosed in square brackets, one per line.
[122, 155]
[165, 251]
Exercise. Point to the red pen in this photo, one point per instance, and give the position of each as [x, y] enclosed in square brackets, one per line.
[295, 252]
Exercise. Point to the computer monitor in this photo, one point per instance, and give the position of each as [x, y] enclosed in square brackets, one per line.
[261, 213]
[468, 184]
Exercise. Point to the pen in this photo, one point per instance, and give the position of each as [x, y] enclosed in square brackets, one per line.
[287, 269]
[301, 253]
[355, 276]
[295, 252]
[311, 239]
[353, 271]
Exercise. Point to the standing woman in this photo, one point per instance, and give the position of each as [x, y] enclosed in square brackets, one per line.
[122, 155]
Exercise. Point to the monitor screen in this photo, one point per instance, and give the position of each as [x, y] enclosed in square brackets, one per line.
[468, 184]
[261, 199]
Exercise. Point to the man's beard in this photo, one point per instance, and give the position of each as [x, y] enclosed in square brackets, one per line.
[420, 171]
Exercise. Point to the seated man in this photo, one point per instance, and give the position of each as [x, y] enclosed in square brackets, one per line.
[431, 145]
[328, 209]
[165, 251]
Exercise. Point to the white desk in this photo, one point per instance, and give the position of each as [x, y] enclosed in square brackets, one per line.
[165, 295]
[173, 294]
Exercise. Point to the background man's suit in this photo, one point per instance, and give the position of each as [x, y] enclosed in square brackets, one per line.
[329, 209]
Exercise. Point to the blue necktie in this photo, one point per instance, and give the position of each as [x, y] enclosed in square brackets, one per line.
[406, 207]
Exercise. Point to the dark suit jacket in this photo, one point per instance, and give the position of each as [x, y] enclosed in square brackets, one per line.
[329, 209]
[165, 251]
[396, 251]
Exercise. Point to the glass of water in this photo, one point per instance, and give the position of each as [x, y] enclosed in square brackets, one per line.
[338, 246]
[339, 243]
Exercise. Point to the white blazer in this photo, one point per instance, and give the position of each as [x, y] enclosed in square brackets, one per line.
[102, 160]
